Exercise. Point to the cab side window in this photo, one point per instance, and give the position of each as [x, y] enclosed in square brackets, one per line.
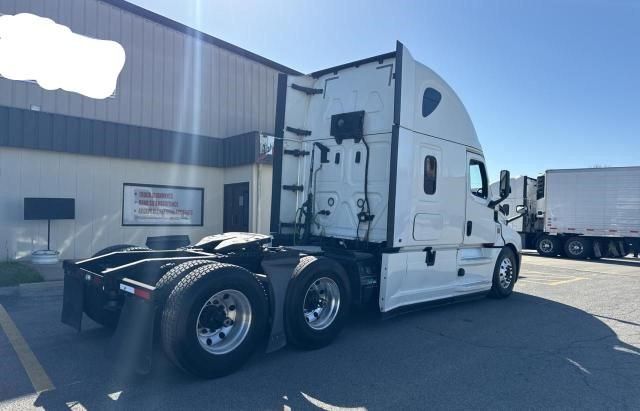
[430, 174]
[478, 179]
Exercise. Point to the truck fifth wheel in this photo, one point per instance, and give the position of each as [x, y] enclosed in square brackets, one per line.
[380, 193]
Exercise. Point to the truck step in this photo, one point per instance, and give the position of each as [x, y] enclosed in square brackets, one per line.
[293, 187]
[297, 153]
[474, 261]
[307, 90]
[298, 131]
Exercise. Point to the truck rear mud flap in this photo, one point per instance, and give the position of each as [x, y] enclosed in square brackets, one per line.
[73, 300]
[131, 346]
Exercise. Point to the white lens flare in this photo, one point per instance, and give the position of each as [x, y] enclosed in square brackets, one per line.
[37, 48]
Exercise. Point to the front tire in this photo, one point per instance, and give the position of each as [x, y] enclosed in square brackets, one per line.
[578, 248]
[214, 319]
[317, 303]
[504, 274]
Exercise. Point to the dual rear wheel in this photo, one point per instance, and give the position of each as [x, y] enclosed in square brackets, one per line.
[216, 314]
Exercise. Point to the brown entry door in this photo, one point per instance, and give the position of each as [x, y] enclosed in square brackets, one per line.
[236, 207]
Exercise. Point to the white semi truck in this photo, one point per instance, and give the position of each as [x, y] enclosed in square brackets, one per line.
[578, 213]
[380, 193]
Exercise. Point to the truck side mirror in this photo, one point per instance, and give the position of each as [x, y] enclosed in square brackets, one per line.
[521, 209]
[505, 184]
[505, 188]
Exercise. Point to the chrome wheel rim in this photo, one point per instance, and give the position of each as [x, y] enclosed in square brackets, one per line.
[321, 303]
[506, 273]
[223, 322]
[546, 245]
[575, 247]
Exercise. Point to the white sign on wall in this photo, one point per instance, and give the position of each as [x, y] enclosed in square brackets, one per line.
[148, 204]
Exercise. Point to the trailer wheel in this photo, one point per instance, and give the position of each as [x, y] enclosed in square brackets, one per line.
[578, 248]
[548, 246]
[214, 318]
[317, 302]
[95, 299]
[504, 274]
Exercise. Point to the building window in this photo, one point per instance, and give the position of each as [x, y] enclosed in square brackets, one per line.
[430, 100]
[430, 174]
[478, 179]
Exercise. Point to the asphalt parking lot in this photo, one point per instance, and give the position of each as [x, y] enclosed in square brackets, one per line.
[569, 337]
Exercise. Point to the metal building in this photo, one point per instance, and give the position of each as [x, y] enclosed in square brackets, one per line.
[190, 111]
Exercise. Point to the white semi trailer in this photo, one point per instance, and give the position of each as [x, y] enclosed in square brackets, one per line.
[380, 194]
[578, 213]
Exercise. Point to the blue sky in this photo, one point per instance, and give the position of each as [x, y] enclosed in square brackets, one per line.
[548, 84]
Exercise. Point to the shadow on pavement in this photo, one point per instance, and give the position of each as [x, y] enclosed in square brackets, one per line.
[627, 261]
[522, 351]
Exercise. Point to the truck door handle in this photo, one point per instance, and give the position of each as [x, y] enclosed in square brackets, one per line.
[469, 228]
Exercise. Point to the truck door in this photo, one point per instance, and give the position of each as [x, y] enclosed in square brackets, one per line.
[479, 227]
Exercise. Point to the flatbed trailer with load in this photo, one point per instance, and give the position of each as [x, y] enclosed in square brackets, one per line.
[380, 194]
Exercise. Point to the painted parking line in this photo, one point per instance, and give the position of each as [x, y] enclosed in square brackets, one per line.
[550, 279]
[36, 373]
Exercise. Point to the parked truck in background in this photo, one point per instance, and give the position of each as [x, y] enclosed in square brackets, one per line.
[380, 194]
[578, 213]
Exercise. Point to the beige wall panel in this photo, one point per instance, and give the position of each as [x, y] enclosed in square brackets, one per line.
[96, 184]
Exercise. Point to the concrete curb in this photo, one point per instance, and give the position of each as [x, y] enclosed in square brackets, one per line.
[9, 291]
[46, 288]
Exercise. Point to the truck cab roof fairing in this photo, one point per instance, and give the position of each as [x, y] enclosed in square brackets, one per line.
[450, 119]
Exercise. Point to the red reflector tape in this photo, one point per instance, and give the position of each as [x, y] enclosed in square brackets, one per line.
[572, 229]
[590, 229]
[613, 231]
[143, 293]
[634, 231]
[138, 292]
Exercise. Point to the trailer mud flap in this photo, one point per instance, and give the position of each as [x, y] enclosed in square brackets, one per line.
[73, 301]
[132, 343]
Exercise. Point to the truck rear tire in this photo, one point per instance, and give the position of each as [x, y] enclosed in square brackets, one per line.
[548, 246]
[578, 248]
[504, 274]
[214, 318]
[317, 302]
[167, 283]
[95, 299]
